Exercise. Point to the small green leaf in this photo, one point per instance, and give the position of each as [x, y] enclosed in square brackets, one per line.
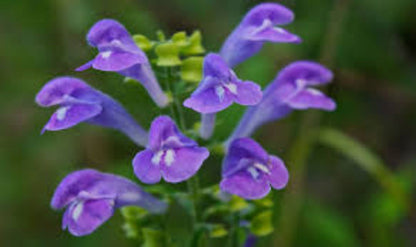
[143, 42]
[191, 70]
[194, 47]
[168, 55]
[261, 225]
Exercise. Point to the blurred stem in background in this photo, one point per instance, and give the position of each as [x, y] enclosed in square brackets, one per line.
[303, 145]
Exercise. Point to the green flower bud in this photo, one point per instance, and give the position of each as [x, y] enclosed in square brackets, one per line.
[261, 225]
[168, 55]
[191, 70]
[194, 47]
[143, 42]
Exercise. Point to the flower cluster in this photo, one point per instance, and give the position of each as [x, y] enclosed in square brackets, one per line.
[248, 171]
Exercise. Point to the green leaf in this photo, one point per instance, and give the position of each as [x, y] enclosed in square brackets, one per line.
[237, 204]
[218, 231]
[133, 212]
[261, 225]
[191, 70]
[168, 55]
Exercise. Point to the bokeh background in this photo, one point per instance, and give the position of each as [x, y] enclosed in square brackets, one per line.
[333, 199]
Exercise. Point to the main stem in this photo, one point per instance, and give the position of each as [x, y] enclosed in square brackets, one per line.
[193, 182]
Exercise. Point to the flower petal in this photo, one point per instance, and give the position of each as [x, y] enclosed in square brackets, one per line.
[311, 98]
[310, 73]
[242, 148]
[276, 13]
[54, 91]
[145, 169]
[279, 176]
[215, 66]
[84, 217]
[273, 34]
[248, 93]
[113, 60]
[72, 114]
[164, 131]
[244, 185]
[185, 162]
[210, 100]
[72, 185]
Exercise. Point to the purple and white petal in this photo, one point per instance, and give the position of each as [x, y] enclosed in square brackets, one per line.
[81, 103]
[244, 185]
[91, 198]
[182, 163]
[119, 53]
[258, 26]
[311, 98]
[170, 154]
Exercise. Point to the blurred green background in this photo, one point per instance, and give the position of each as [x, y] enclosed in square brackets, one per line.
[370, 45]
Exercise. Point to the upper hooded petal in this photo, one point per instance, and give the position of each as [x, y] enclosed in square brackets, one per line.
[239, 150]
[310, 73]
[116, 60]
[215, 66]
[164, 133]
[311, 98]
[276, 13]
[55, 91]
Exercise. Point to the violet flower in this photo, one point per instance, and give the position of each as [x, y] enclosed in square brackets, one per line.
[290, 90]
[169, 154]
[248, 171]
[118, 52]
[90, 198]
[218, 89]
[78, 102]
[258, 26]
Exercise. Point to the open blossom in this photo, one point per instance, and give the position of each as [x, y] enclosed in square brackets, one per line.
[118, 52]
[78, 102]
[220, 87]
[169, 154]
[90, 198]
[291, 90]
[258, 26]
[248, 171]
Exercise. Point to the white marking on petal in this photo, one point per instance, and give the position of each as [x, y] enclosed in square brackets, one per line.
[232, 87]
[157, 157]
[301, 83]
[279, 29]
[219, 90]
[61, 113]
[262, 168]
[76, 213]
[253, 172]
[116, 42]
[314, 91]
[266, 23]
[169, 157]
[171, 139]
[130, 196]
[106, 54]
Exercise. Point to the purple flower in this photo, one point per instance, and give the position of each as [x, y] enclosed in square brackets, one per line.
[78, 102]
[169, 154]
[291, 90]
[220, 87]
[90, 198]
[248, 171]
[258, 26]
[118, 52]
